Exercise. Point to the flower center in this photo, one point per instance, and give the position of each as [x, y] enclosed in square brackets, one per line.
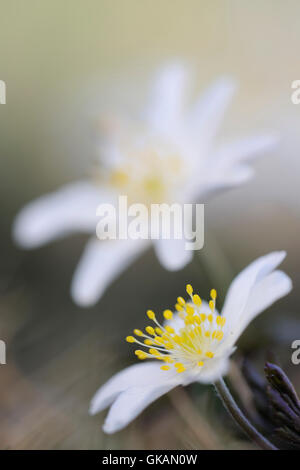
[145, 168]
[147, 178]
[187, 346]
[144, 188]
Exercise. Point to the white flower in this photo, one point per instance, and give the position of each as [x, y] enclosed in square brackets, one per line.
[194, 344]
[165, 156]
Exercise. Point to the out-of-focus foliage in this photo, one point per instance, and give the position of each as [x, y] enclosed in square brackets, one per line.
[277, 403]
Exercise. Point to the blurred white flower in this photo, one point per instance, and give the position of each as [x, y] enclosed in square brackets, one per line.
[167, 155]
[194, 344]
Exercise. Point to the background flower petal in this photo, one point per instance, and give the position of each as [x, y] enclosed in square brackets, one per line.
[69, 209]
[243, 150]
[167, 97]
[100, 264]
[208, 112]
[172, 253]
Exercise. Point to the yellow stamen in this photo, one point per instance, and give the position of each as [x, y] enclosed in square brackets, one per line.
[138, 332]
[130, 339]
[150, 330]
[189, 310]
[148, 342]
[187, 345]
[213, 294]
[169, 329]
[168, 314]
[197, 301]
[153, 351]
[141, 354]
[189, 289]
[158, 340]
[151, 314]
[179, 367]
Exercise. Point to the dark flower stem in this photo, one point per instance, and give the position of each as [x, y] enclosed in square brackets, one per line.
[239, 417]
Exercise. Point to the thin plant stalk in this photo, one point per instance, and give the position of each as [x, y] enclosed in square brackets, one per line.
[240, 418]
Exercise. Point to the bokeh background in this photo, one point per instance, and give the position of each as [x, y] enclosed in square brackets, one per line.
[57, 58]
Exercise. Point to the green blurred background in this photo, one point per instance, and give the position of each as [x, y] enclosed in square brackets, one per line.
[57, 58]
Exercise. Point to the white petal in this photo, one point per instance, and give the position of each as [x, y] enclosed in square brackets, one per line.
[167, 97]
[132, 390]
[172, 253]
[267, 291]
[208, 112]
[243, 150]
[100, 264]
[213, 370]
[231, 177]
[228, 167]
[143, 374]
[244, 286]
[71, 208]
[131, 403]
[241, 286]
[208, 187]
[210, 184]
[270, 289]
